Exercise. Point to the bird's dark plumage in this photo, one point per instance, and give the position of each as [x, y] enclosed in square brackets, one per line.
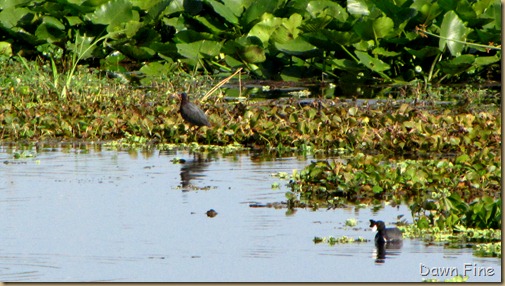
[385, 235]
[191, 113]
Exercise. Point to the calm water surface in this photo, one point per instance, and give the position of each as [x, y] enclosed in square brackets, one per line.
[121, 216]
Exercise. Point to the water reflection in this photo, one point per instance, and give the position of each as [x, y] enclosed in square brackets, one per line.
[193, 170]
[387, 249]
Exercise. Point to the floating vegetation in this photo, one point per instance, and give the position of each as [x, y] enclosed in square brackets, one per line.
[149, 117]
[339, 240]
[275, 185]
[275, 205]
[178, 160]
[352, 222]
[488, 250]
[457, 235]
[23, 154]
[281, 175]
[457, 278]
[443, 192]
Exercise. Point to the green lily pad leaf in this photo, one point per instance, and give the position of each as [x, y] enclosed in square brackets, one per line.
[288, 30]
[113, 14]
[154, 8]
[372, 63]
[330, 39]
[223, 11]
[5, 49]
[427, 10]
[238, 6]
[323, 8]
[293, 73]
[139, 53]
[50, 30]
[346, 64]
[425, 52]
[132, 27]
[377, 189]
[257, 9]
[353, 111]
[199, 49]
[189, 36]
[145, 4]
[297, 46]
[484, 61]
[315, 24]
[452, 29]
[111, 62]
[383, 27]
[249, 49]
[216, 27]
[11, 16]
[157, 69]
[192, 7]
[165, 49]
[383, 52]
[232, 62]
[254, 54]
[264, 29]
[462, 158]
[73, 20]
[12, 3]
[358, 7]
[457, 65]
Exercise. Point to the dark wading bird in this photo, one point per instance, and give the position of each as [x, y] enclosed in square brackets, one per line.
[385, 235]
[191, 113]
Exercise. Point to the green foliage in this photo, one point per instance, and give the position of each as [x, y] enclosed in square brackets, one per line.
[338, 240]
[444, 193]
[287, 40]
[457, 278]
[488, 250]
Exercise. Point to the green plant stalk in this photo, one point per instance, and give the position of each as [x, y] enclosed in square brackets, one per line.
[349, 53]
[463, 42]
[221, 83]
[432, 68]
[55, 74]
[76, 58]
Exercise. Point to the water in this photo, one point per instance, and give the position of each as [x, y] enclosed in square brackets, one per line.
[121, 216]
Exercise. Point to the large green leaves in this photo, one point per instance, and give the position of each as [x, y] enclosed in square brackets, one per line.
[453, 33]
[372, 63]
[113, 14]
[200, 49]
[224, 11]
[273, 38]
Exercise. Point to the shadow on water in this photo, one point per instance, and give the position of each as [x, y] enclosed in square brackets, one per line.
[193, 169]
[383, 250]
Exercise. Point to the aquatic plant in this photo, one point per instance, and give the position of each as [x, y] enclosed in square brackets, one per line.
[351, 222]
[457, 278]
[487, 249]
[339, 240]
[364, 41]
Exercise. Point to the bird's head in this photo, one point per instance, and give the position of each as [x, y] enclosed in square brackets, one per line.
[183, 96]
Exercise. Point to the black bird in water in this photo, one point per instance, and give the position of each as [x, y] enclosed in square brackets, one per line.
[191, 113]
[385, 235]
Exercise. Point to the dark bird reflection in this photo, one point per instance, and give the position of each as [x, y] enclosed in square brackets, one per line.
[387, 249]
[193, 169]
